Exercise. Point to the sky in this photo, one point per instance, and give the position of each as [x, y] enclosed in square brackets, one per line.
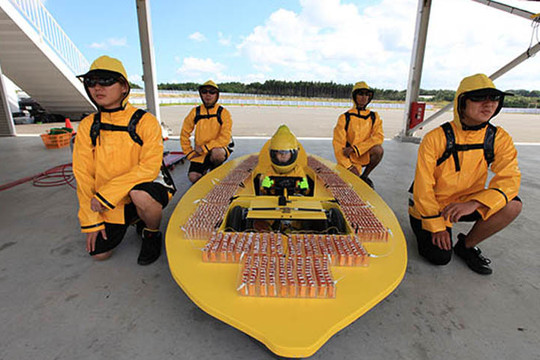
[343, 41]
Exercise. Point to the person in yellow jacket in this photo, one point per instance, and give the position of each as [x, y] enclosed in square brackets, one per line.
[117, 158]
[284, 169]
[213, 129]
[358, 135]
[451, 175]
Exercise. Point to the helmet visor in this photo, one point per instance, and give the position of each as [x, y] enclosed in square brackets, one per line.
[283, 157]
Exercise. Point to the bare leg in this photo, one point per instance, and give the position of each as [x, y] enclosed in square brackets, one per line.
[218, 156]
[194, 177]
[481, 230]
[102, 256]
[148, 209]
[375, 156]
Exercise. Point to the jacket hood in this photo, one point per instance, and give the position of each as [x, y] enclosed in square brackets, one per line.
[106, 64]
[361, 85]
[474, 83]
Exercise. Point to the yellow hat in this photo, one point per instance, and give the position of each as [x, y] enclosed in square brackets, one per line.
[359, 86]
[211, 84]
[106, 63]
[283, 141]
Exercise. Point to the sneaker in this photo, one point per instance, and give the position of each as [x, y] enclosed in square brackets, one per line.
[150, 248]
[368, 181]
[473, 257]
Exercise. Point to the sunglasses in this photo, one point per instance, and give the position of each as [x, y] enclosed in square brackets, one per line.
[363, 93]
[102, 81]
[484, 97]
[208, 91]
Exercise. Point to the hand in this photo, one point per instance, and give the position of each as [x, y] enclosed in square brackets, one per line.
[442, 240]
[454, 211]
[354, 170]
[91, 239]
[96, 206]
[199, 150]
[348, 151]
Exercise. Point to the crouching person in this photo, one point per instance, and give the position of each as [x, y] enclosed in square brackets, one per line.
[212, 125]
[117, 159]
[451, 174]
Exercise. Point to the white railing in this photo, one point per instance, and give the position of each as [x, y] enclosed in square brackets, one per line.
[49, 30]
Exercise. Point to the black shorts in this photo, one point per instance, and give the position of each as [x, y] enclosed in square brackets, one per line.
[431, 252]
[207, 165]
[116, 232]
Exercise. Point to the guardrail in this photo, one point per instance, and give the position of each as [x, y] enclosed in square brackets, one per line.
[49, 30]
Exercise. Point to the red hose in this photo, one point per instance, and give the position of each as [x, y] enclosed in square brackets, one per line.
[56, 176]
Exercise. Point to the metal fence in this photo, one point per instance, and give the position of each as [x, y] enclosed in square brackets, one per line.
[49, 30]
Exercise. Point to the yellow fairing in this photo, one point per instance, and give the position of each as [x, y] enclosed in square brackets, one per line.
[109, 170]
[437, 186]
[208, 132]
[290, 327]
[361, 135]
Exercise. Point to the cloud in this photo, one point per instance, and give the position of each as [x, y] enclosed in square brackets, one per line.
[192, 66]
[223, 40]
[197, 36]
[109, 43]
[329, 40]
[136, 79]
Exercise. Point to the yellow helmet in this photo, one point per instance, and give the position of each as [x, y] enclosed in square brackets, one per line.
[362, 86]
[283, 150]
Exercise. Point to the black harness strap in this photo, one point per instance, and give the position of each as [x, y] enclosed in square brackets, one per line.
[348, 118]
[452, 148]
[97, 126]
[217, 115]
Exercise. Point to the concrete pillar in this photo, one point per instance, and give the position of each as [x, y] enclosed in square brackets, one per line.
[417, 62]
[7, 127]
[148, 59]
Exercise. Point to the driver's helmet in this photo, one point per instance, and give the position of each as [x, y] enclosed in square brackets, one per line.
[283, 150]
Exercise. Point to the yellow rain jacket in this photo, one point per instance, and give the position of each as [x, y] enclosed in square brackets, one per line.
[436, 186]
[209, 133]
[109, 170]
[114, 166]
[362, 134]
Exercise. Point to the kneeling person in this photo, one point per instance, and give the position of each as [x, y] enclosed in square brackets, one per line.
[451, 175]
[117, 159]
[213, 128]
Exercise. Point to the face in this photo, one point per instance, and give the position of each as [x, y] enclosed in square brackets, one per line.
[283, 156]
[479, 112]
[209, 95]
[361, 98]
[105, 95]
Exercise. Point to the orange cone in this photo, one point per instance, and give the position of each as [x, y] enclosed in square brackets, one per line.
[68, 124]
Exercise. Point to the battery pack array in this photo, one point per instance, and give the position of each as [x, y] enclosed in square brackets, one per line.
[293, 277]
[231, 246]
[358, 214]
[212, 208]
[339, 250]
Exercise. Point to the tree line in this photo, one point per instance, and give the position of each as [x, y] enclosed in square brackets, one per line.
[331, 90]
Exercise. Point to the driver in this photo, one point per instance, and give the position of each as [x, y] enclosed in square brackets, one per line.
[284, 171]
